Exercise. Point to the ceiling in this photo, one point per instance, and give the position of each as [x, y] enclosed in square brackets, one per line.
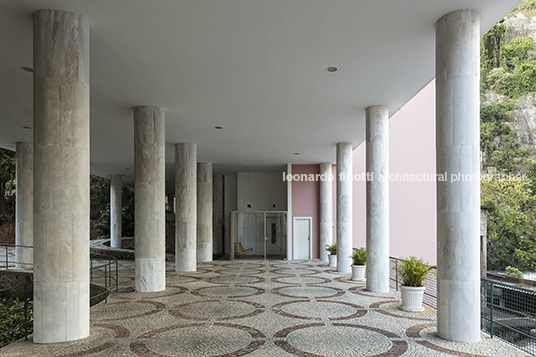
[257, 68]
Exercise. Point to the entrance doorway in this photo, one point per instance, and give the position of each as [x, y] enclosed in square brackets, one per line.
[263, 231]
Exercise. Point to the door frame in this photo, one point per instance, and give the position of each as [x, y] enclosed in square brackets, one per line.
[310, 219]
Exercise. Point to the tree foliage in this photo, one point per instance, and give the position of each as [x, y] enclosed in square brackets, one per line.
[7, 185]
[511, 224]
[12, 317]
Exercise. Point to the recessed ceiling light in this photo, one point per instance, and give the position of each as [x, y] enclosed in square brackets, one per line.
[27, 69]
[27, 127]
[296, 153]
[331, 69]
[219, 127]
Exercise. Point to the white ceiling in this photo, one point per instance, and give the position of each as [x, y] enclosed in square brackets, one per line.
[255, 67]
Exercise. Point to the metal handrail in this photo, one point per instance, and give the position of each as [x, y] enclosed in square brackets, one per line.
[517, 305]
[109, 286]
[430, 295]
[6, 259]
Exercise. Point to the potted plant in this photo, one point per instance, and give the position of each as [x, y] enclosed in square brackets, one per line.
[412, 271]
[359, 257]
[332, 249]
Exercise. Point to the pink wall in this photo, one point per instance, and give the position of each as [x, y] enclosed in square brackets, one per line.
[412, 204]
[305, 200]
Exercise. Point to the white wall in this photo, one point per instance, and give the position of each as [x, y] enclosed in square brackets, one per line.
[266, 188]
[230, 204]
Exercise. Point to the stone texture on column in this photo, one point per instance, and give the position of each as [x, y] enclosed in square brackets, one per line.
[186, 207]
[326, 210]
[24, 205]
[458, 152]
[377, 163]
[344, 207]
[149, 199]
[204, 212]
[61, 176]
[115, 211]
[217, 214]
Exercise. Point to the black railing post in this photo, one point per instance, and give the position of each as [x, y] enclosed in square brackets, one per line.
[105, 284]
[396, 274]
[491, 309]
[116, 277]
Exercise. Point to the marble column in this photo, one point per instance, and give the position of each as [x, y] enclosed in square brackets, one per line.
[326, 210]
[149, 199]
[204, 212]
[344, 207]
[115, 211]
[24, 205]
[186, 207]
[217, 214]
[377, 164]
[61, 176]
[457, 154]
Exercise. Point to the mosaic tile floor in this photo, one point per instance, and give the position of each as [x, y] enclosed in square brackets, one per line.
[258, 308]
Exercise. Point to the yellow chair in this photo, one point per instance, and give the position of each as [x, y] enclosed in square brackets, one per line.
[241, 250]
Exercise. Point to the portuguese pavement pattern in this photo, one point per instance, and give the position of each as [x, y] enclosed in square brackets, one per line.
[258, 308]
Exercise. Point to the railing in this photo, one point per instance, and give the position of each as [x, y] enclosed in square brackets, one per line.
[509, 312]
[10, 250]
[109, 278]
[430, 294]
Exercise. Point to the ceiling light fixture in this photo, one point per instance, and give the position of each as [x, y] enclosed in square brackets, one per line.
[27, 69]
[218, 127]
[332, 69]
[296, 153]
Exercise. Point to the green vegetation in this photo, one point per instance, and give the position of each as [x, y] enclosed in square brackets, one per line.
[511, 217]
[359, 256]
[12, 317]
[332, 249]
[7, 186]
[527, 7]
[511, 271]
[100, 207]
[413, 271]
[508, 69]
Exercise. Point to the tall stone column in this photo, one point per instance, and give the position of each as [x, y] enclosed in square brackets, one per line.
[217, 214]
[204, 212]
[326, 210]
[24, 205]
[115, 211]
[377, 147]
[458, 153]
[149, 199]
[344, 207]
[61, 176]
[186, 207]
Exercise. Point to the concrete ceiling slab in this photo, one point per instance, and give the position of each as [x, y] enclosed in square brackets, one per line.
[257, 68]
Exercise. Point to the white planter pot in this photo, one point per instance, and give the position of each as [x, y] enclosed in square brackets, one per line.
[412, 298]
[332, 261]
[358, 272]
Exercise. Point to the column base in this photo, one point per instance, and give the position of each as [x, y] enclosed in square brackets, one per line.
[150, 275]
[63, 310]
[458, 310]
